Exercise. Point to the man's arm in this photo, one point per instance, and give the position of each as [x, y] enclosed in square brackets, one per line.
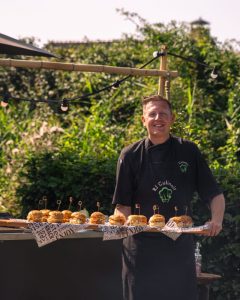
[122, 210]
[217, 206]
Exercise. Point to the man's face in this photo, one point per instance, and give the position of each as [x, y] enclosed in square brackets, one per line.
[157, 118]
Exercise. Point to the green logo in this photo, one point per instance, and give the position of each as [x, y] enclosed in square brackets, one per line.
[165, 194]
[183, 166]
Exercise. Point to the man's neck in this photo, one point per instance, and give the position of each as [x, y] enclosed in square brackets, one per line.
[158, 140]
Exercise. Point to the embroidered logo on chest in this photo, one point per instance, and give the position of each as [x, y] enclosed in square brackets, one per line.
[165, 190]
[183, 165]
[165, 194]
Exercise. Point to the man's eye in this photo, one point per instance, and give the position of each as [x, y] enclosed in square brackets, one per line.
[162, 115]
[152, 115]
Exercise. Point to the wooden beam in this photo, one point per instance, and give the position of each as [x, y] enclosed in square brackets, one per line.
[85, 68]
[163, 68]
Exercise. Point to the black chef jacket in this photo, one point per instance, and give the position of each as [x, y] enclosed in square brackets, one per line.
[167, 175]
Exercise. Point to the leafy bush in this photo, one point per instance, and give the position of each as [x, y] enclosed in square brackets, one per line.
[45, 153]
[59, 176]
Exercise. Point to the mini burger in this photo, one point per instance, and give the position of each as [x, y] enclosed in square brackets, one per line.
[182, 221]
[45, 214]
[97, 218]
[66, 215]
[55, 217]
[157, 220]
[77, 218]
[187, 221]
[34, 216]
[118, 220]
[137, 220]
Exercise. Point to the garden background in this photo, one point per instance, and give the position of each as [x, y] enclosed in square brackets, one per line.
[46, 152]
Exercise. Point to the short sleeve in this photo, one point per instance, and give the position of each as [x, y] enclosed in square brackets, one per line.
[206, 184]
[124, 182]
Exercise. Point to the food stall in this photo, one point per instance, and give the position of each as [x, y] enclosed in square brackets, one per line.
[77, 266]
[80, 266]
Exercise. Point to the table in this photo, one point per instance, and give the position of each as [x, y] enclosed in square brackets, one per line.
[80, 266]
[204, 281]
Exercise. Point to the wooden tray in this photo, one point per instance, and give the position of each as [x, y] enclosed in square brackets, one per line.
[20, 223]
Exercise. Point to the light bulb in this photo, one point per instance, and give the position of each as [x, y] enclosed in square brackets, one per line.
[213, 74]
[4, 104]
[64, 105]
[155, 54]
[64, 108]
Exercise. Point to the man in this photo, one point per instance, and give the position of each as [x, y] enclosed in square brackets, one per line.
[166, 171]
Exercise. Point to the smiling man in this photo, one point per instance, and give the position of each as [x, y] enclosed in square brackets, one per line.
[162, 170]
[158, 119]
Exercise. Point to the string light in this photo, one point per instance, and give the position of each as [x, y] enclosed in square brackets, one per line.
[157, 54]
[4, 101]
[214, 74]
[64, 104]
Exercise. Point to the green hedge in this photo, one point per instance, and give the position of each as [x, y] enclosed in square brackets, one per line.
[45, 153]
[61, 176]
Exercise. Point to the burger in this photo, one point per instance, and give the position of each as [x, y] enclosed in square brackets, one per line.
[45, 214]
[55, 217]
[118, 220]
[157, 220]
[77, 218]
[182, 221]
[187, 221]
[66, 215]
[97, 218]
[137, 220]
[34, 216]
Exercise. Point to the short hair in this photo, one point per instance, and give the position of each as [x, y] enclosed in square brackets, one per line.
[147, 99]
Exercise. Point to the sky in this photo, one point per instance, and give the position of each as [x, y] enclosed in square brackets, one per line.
[73, 20]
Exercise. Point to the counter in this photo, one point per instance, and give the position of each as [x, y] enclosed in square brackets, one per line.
[80, 266]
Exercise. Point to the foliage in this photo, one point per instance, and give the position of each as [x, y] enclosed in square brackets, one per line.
[64, 175]
[45, 152]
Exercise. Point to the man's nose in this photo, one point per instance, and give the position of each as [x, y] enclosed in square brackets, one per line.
[158, 116]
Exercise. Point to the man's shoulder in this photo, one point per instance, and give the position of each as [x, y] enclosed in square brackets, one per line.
[184, 144]
[133, 149]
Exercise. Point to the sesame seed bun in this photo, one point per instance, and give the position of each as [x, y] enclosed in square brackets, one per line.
[137, 220]
[77, 218]
[117, 220]
[97, 218]
[34, 216]
[55, 217]
[183, 221]
[157, 220]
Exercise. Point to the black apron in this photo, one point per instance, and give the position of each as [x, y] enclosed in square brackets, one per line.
[155, 266]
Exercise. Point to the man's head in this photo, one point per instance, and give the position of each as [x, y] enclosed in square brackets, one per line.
[157, 118]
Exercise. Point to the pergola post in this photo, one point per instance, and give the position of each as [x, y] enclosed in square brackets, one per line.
[164, 81]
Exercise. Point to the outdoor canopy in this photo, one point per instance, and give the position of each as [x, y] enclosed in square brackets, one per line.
[12, 46]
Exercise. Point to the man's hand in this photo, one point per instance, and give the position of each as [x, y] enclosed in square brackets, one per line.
[217, 206]
[214, 228]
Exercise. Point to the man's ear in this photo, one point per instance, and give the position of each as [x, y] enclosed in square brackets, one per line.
[143, 120]
[173, 118]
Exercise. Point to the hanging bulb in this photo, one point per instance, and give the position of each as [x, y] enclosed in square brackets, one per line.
[158, 53]
[214, 74]
[116, 85]
[155, 54]
[64, 105]
[4, 102]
